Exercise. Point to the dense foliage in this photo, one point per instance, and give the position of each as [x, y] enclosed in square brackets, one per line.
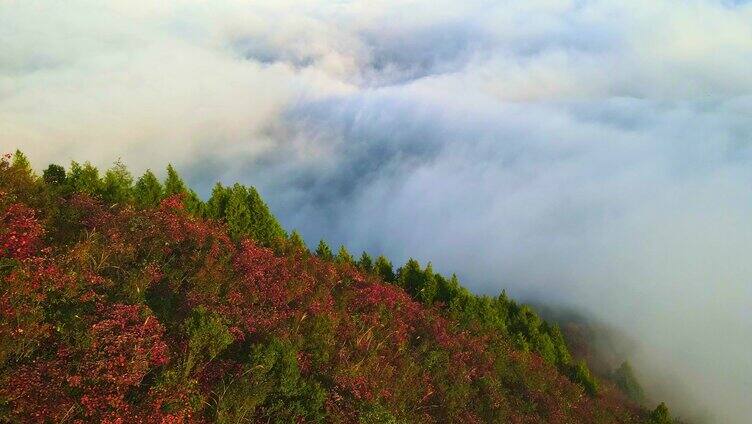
[125, 301]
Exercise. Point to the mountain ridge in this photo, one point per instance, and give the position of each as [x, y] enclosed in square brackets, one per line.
[139, 302]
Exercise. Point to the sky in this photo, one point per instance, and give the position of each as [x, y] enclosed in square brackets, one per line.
[589, 154]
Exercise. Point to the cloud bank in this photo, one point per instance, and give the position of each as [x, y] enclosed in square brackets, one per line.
[587, 153]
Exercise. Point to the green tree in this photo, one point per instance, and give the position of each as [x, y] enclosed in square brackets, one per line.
[208, 336]
[54, 175]
[411, 277]
[365, 263]
[447, 289]
[545, 347]
[271, 389]
[148, 190]
[297, 242]
[18, 178]
[84, 178]
[23, 175]
[384, 269]
[625, 379]
[20, 163]
[193, 204]
[660, 415]
[216, 207]
[247, 215]
[580, 374]
[343, 256]
[323, 251]
[173, 183]
[563, 357]
[238, 214]
[427, 292]
[117, 184]
[264, 226]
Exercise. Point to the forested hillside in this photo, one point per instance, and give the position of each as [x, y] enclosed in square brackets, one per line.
[127, 301]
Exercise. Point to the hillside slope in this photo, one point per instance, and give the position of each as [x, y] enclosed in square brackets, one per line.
[123, 302]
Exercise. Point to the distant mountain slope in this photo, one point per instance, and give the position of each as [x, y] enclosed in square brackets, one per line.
[126, 302]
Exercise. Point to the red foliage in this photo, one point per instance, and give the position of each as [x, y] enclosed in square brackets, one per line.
[91, 213]
[21, 232]
[94, 329]
[124, 346]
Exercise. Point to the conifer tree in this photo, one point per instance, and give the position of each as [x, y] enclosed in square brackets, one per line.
[84, 178]
[264, 226]
[21, 163]
[246, 214]
[563, 357]
[21, 176]
[207, 338]
[117, 184]
[173, 183]
[54, 174]
[324, 252]
[427, 292]
[660, 415]
[581, 374]
[411, 277]
[545, 348]
[296, 241]
[625, 379]
[148, 191]
[447, 289]
[216, 207]
[343, 256]
[384, 269]
[238, 214]
[193, 204]
[365, 263]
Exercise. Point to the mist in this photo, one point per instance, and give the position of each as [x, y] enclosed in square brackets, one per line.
[587, 154]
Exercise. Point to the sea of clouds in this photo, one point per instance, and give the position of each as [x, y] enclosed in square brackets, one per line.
[589, 154]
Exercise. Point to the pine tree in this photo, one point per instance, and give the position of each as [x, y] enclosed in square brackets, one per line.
[173, 183]
[54, 175]
[21, 163]
[427, 292]
[343, 256]
[447, 289]
[21, 177]
[563, 357]
[384, 269]
[117, 184]
[660, 415]
[216, 207]
[296, 242]
[411, 277]
[324, 252]
[208, 336]
[580, 374]
[625, 379]
[246, 214]
[365, 263]
[84, 178]
[264, 226]
[238, 214]
[193, 204]
[148, 191]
